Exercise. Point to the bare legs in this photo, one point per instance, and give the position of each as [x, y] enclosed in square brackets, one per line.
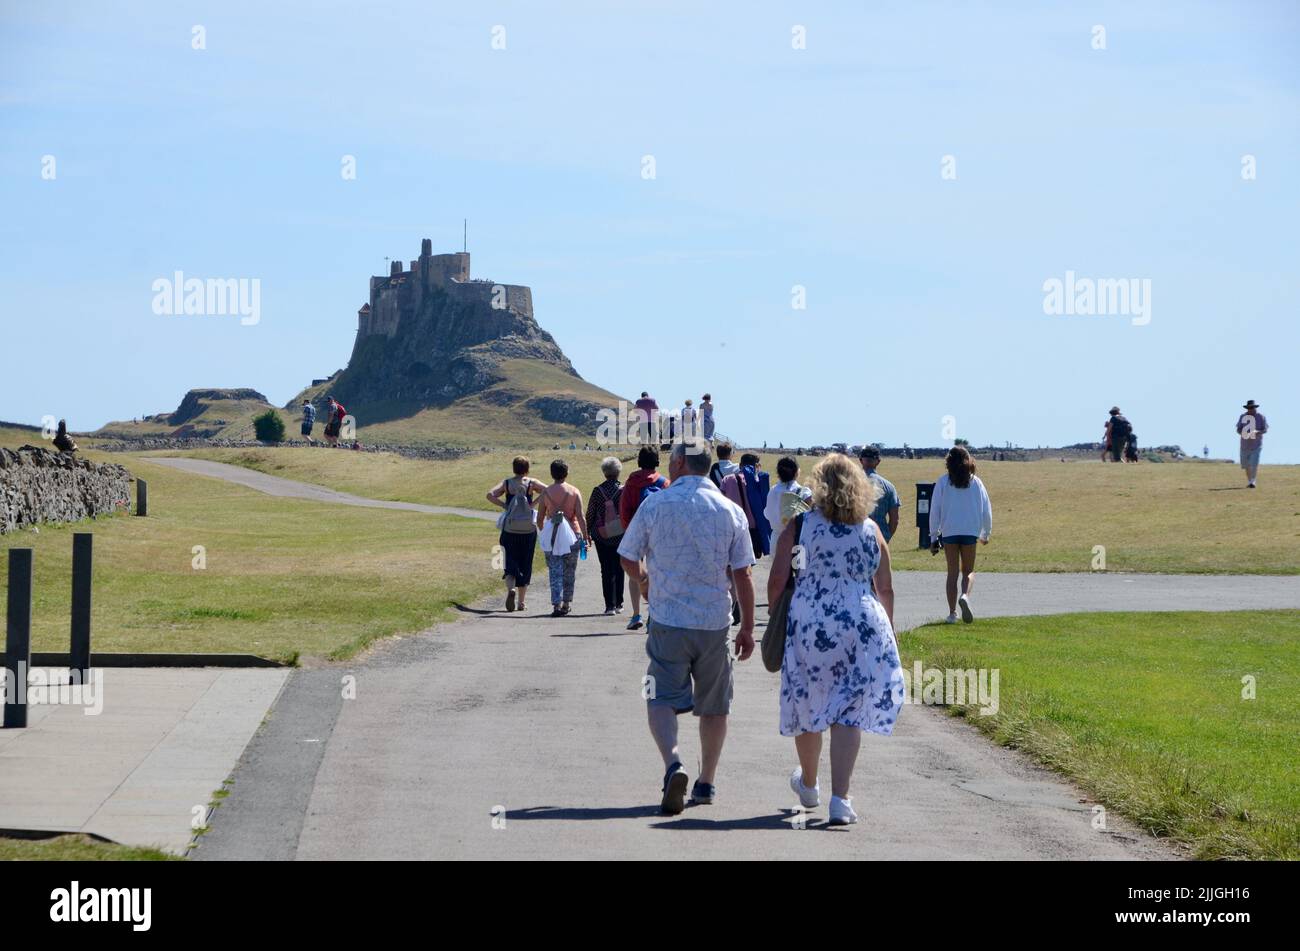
[845, 743]
[713, 733]
[961, 558]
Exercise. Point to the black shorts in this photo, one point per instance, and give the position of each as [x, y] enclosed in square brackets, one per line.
[306, 429]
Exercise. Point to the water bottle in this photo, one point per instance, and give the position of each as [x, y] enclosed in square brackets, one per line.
[582, 552]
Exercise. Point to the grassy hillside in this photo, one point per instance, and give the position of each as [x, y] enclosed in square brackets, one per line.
[1047, 516]
[215, 418]
[496, 417]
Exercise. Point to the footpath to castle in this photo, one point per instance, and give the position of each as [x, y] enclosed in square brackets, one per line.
[519, 736]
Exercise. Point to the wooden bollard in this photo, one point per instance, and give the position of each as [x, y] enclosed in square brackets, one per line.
[141, 497]
[18, 636]
[82, 561]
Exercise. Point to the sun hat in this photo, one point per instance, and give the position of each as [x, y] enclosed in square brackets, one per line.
[1250, 404]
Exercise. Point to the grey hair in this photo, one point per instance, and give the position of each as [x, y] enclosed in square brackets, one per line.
[696, 454]
[611, 467]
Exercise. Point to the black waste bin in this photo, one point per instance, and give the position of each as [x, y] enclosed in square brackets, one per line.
[924, 490]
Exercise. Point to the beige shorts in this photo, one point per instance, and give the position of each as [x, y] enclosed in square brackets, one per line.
[690, 671]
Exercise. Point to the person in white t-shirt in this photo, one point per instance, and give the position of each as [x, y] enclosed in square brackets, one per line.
[787, 471]
[960, 517]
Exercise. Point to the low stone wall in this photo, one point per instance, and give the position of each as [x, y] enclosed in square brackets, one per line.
[37, 485]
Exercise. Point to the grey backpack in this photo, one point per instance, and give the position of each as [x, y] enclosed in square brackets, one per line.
[520, 518]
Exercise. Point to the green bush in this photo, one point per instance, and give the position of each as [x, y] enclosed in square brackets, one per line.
[269, 427]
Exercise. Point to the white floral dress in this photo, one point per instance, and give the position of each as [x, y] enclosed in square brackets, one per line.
[841, 659]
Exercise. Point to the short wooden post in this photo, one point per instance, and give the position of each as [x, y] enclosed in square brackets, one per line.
[82, 561]
[18, 636]
[141, 497]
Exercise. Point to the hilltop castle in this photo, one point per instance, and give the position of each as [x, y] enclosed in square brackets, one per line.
[403, 292]
[432, 334]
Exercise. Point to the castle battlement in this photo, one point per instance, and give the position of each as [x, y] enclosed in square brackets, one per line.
[402, 292]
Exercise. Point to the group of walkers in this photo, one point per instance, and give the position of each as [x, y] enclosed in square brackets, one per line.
[334, 417]
[683, 545]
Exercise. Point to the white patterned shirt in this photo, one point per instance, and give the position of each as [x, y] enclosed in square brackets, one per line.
[689, 534]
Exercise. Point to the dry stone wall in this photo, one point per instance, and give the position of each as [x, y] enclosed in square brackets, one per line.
[37, 485]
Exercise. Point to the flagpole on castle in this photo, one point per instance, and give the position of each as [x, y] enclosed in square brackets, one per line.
[464, 246]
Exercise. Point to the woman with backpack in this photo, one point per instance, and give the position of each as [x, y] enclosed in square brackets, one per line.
[563, 525]
[960, 516]
[607, 531]
[518, 530]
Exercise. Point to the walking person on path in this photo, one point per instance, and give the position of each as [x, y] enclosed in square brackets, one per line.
[779, 509]
[690, 423]
[693, 542]
[757, 485]
[647, 419]
[840, 670]
[607, 528]
[886, 510]
[724, 466]
[960, 517]
[706, 418]
[518, 530]
[308, 420]
[643, 483]
[1251, 427]
[564, 536]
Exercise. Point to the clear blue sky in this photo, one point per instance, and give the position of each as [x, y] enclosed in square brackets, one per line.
[775, 167]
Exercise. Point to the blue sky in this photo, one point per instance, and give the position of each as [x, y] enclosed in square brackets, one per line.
[775, 167]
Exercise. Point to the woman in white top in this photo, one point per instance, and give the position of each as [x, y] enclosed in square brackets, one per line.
[787, 470]
[960, 516]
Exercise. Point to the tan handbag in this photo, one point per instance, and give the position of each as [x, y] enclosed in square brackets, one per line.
[779, 613]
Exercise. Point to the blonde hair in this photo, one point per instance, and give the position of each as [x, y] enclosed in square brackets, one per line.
[842, 491]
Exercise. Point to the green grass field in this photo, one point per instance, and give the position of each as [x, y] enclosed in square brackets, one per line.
[1047, 516]
[283, 577]
[76, 848]
[1146, 713]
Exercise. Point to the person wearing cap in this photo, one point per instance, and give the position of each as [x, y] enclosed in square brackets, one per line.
[885, 512]
[1251, 427]
[1116, 438]
[308, 419]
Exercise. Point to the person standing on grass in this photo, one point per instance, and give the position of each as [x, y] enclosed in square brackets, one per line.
[1251, 427]
[641, 484]
[518, 530]
[885, 512]
[840, 670]
[692, 541]
[607, 531]
[563, 525]
[960, 517]
[334, 423]
[308, 420]
[1116, 435]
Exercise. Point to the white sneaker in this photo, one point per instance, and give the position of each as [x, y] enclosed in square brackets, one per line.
[964, 603]
[842, 813]
[808, 798]
[950, 619]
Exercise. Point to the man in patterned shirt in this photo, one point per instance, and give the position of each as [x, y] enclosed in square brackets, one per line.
[695, 542]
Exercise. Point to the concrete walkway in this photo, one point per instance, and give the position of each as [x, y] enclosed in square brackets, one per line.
[518, 736]
[144, 768]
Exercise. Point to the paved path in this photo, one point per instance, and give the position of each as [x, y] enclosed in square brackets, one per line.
[289, 489]
[544, 719]
[163, 742]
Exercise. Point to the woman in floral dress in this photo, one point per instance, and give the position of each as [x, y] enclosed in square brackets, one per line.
[841, 670]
